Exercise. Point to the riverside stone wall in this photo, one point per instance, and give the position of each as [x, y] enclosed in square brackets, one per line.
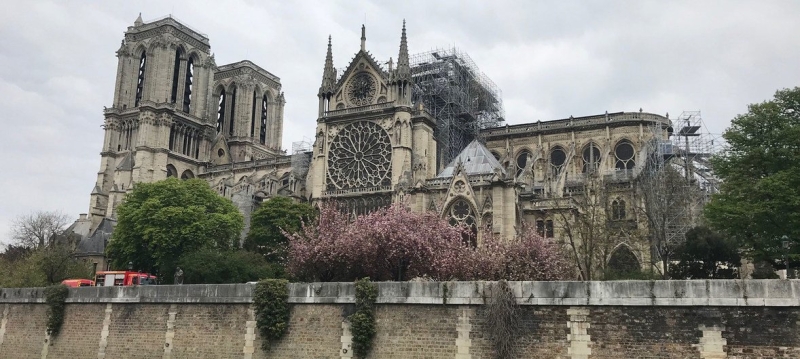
[625, 319]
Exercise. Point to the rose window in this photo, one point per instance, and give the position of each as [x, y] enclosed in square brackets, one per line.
[360, 156]
[361, 89]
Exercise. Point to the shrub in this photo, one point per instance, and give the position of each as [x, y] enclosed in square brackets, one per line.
[362, 322]
[212, 266]
[271, 302]
[55, 296]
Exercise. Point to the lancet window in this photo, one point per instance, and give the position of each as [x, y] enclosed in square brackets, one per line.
[232, 120]
[263, 133]
[140, 79]
[253, 115]
[618, 209]
[176, 71]
[221, 111]
[187, 86]
[591, 158]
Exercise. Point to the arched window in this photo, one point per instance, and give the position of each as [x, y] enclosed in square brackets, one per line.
[140, 79]
[263, 133]
[625, 155]
[623, 261]
[591, 158]
[171, 171]
[221, 110]
[461, 213]
[253, 115]
[233, 112]
[187, 175]
[618, 209]
[557, 160]
[548, 228]
[540, 227]
[176, 71]
[187, 86]
[522, 161]
[496, 155]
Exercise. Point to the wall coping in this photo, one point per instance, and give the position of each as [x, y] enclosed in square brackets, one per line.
[733, 293]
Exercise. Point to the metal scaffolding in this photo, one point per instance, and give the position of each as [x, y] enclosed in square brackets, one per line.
[463, 99]
[677, 180]
[301, 157]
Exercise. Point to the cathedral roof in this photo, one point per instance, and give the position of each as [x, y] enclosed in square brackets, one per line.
[96, 243]
[476, 159]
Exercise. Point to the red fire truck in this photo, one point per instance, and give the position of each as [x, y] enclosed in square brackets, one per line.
[123, 278]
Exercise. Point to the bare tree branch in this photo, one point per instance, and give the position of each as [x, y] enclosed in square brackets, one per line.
[37, 230]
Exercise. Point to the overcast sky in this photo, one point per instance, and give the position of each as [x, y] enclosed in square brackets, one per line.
[551, 59]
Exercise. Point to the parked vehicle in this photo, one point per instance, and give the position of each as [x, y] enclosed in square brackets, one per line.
[123, 278]
[74, 283]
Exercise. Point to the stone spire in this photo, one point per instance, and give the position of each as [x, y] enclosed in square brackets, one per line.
[328, 73]
[138, 21]
[403, 68]
[363, 38]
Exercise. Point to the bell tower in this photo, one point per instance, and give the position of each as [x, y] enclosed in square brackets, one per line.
[157, 124]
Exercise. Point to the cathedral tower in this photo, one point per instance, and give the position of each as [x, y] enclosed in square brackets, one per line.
[155, 127]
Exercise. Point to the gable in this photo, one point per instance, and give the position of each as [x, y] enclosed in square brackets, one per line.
[362, 84]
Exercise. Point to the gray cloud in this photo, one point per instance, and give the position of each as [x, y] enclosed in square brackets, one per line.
[551, 59]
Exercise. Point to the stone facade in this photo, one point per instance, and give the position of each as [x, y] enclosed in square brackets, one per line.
[630, 319]
[176, 113]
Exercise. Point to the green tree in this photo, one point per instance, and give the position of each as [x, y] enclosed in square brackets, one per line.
[706, 255]
[267, 223]
[211, 266]
[42, 267]
[759, 199]
[159, 222]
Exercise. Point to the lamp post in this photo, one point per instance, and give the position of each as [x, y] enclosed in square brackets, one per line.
[786, 243]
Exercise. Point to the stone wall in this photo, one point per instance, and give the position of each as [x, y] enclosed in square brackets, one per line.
[626, 319]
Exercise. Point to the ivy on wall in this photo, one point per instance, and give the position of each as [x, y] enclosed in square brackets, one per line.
[362, 322]
[271, 302]
[55, 297]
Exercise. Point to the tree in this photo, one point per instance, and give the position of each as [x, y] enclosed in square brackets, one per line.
[528, 256]
[667, 199]
[159, 222]
[397, 244]
[38, 229]
[586, 228]
[706, 255]
[759, 199]
[42, 267]
[389, 244]
[211, 266]
[277, 215]
[58, 263]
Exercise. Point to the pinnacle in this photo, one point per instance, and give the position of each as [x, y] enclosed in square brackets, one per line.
[138, 21]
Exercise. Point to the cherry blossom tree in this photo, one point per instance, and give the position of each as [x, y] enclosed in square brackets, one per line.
[397, 244]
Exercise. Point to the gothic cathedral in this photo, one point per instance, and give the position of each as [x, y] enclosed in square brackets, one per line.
[425, 130]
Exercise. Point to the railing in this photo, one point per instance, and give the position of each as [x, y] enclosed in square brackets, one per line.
[347, 111]
[339, 192]
[575, 122]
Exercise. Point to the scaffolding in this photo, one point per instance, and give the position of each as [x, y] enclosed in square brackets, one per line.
[301, 157]
[449, 86]
[677, 180]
